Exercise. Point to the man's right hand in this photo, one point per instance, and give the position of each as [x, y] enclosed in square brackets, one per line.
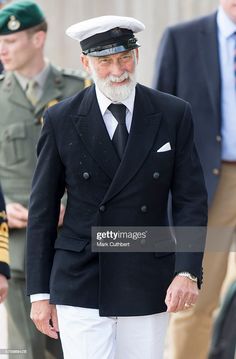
[3, 288]
[44, 316]
[17, 215]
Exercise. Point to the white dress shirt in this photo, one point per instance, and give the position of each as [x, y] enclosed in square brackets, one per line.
[111, 124]
[108, 118]
[226, 39]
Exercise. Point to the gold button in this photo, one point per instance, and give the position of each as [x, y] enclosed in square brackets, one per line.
[218, 138]
[216, 171]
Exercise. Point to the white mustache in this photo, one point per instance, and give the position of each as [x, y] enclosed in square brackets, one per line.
[121, 78]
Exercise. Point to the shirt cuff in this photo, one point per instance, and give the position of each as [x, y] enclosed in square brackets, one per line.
[40, 296]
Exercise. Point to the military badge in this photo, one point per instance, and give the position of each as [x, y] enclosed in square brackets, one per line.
[87, 82]
[49, 104]
[13, 23]
[52, 103]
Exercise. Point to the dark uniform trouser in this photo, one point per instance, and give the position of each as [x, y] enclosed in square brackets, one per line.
[22, 333]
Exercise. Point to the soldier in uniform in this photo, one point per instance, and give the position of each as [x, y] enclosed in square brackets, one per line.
[2, 3]
[4, 254]
[29, 85]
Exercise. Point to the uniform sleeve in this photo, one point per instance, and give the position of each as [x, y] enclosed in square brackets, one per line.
[48, 187]
[4, 249]
[165, 71]
[189, 201]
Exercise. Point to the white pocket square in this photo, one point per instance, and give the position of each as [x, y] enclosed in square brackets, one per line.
[165, 147]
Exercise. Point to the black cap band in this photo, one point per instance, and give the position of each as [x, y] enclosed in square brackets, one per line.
[113, 48]
[112, 41]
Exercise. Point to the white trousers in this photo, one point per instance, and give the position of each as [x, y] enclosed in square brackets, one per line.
[86, 335]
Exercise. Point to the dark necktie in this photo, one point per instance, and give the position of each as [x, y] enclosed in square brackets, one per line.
[121, 134]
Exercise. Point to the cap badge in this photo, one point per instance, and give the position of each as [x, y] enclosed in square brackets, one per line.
[13, 23]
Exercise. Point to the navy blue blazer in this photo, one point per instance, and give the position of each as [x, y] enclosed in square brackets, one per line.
[76, 153]
[187, 66]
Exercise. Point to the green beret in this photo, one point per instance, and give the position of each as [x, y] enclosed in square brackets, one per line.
[20, 15]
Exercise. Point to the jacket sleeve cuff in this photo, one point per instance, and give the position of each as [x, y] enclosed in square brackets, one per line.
[5, 270]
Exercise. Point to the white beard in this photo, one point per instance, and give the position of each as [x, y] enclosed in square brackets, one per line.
[115, 93]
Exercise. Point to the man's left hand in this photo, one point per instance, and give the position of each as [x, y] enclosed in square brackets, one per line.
[181, 294]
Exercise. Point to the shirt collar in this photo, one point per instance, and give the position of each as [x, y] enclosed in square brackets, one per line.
[226, 26]
[104, 102]
[40, 78]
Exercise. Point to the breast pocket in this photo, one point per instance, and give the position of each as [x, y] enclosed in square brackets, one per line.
[162, 162]
[12, 144]
[164, 154]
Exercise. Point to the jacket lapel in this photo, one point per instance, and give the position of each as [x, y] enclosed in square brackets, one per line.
[145, 125]
[92, 131]
[209, 51]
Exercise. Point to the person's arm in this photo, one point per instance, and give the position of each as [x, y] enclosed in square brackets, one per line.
[165, 71]
[48, 188]
[4, 251]
[189, 209]
[17, 215]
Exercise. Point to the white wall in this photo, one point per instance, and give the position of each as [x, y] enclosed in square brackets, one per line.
[156, 15]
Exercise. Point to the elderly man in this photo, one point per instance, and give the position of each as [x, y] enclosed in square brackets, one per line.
[118, 148]
[28, 86]
[196, 61]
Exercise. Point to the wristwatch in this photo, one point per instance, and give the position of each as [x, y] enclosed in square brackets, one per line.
[188, 275]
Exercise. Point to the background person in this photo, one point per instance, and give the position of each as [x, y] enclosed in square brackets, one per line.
[2, 3]
[29, 85]
[4, 252]
[196, 61]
